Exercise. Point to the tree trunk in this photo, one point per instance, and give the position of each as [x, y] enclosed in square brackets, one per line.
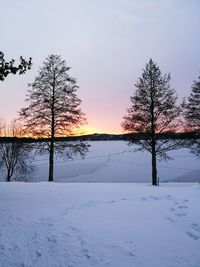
[154, 167]
[153, 135]
[51, 161]
[51, 151]
[8, 176]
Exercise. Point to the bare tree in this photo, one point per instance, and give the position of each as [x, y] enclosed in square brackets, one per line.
[153, 112]
[192, 107]
[8, 67]
[15, 155]
[54, 109]
[192, 117]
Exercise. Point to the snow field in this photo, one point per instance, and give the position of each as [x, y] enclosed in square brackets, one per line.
[107, 224]
[115, 161]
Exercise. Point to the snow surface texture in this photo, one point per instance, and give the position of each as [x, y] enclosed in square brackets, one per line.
[115, 161]
[97, 225]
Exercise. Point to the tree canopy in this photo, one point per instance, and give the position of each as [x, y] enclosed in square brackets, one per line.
[153, 111]
[192, 116]
[54, 109]
[192, 111]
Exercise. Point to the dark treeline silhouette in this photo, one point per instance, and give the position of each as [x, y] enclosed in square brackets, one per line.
[105, 137]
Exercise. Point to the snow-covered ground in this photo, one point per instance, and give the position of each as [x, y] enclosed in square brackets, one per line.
[116, 223]
[115, 161]
[91, 224]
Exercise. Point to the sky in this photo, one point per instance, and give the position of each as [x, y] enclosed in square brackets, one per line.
[106, 43]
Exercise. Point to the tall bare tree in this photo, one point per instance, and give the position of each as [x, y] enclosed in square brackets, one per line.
[153, 112]
[9, 67]
[192, 116]
[54, 109]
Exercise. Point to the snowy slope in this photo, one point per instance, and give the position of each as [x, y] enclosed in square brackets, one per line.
[83, 225]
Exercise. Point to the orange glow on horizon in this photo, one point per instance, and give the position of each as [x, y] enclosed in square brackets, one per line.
[88, 130]
[84, 130]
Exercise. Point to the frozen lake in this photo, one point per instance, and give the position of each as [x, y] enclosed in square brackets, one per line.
[115, 161]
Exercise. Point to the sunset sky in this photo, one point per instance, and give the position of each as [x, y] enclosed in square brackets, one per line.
[107, 44]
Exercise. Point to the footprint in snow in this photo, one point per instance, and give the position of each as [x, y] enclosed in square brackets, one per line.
[172, 209]
[154, 198]
[131, 254]
[143, 199]
[111, 201]
[52, 239]
[38, 254]
[193, 236]
[170, 219]
[176, 203]
[86, 253]
[167, 197]
[129, 242]
[182, 214]
[67, 234]
[72, 228]
[2, 247]
[91, 203]
[196, 227]
[183, 207]
[125, 199]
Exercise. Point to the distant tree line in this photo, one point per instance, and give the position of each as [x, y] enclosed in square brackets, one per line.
[53, 114]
